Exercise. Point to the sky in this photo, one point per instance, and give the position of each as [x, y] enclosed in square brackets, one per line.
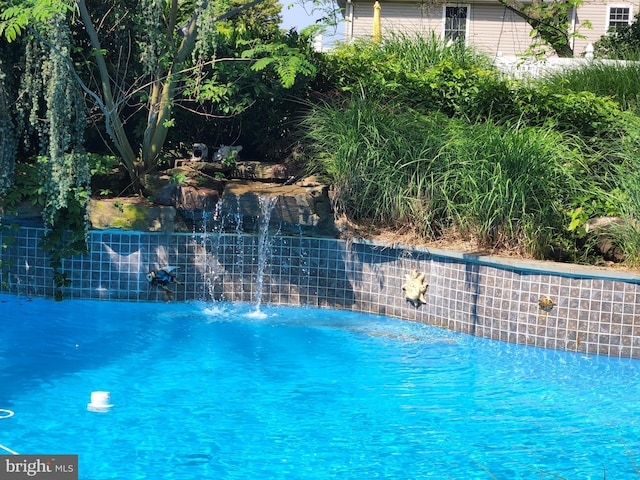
[296, 15]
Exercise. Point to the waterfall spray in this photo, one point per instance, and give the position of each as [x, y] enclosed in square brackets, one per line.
[211, 229]
[266, 207]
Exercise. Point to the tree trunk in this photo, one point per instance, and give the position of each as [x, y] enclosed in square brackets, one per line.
[552, 31]
[161, 95]
[114, 126]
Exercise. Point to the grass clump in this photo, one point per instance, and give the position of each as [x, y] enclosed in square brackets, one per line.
[611, 79]
[505, 186]
[376, 156]
[625, 231]
[426, 135]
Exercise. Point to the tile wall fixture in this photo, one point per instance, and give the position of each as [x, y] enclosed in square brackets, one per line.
[543, 304]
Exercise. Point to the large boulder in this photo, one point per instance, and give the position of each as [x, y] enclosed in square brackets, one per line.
[600, 230]
[187, 197]
[242, 169]
[190, 197]
[300, 208]
[131, 214]
[263, 171]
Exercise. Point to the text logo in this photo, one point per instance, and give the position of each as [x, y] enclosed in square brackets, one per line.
[39, 467]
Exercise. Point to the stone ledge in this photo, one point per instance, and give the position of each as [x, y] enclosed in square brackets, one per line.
[131, 214]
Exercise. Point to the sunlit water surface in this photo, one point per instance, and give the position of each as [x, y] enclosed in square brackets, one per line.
[221, 391]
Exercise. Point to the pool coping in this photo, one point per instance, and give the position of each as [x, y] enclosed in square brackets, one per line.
[540, 266]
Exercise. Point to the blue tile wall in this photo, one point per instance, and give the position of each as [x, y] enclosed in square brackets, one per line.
[596, 312]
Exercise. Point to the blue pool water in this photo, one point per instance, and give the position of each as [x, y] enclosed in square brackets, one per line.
[216, 391]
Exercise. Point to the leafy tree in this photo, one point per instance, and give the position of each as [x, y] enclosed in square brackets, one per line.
[621, 43]
[175, 41]
[262, 21]
[549, 21]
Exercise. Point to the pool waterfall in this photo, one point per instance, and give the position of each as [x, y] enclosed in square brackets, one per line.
[264, 250]
[215, 223]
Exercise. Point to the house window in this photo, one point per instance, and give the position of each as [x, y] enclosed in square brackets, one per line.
[456, 24]
[618, 16]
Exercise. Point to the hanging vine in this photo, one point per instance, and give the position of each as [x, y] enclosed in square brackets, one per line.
[205, 44]
[53, 106]
[207, 12]
[8, 140]
[153, 46]
[65, 169]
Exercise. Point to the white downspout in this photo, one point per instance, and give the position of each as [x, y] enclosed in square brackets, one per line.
[572, 39]
[348, 27]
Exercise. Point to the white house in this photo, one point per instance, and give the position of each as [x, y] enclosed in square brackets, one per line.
[485, 24]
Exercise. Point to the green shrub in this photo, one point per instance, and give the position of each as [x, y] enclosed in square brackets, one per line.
[582, 113]
[622, 43]
[422, 71]
[459, 91]
[615, 80]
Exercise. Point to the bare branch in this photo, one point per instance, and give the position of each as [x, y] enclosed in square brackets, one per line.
[211, 115]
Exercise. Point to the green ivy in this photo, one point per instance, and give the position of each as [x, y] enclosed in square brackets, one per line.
[67, 238]
[8, 137]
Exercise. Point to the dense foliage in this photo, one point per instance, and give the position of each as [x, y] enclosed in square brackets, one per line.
[139, 62]
[252, 96]
[449, 147]
[123, 68]
[622, 43]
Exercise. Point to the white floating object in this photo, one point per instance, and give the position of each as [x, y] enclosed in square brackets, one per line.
[100, 402]
[4, 413]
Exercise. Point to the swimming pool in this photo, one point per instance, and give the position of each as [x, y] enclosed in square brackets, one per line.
[223, 391]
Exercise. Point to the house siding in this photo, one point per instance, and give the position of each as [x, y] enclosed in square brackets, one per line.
[596, 14]
[407, 17]
[492, 28]
[498, 31]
